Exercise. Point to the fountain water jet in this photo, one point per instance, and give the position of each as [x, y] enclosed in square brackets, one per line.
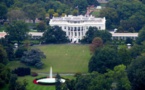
[49, 80]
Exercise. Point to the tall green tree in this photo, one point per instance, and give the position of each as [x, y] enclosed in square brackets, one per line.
[55, 35]
[33, 57]
[17, 31]
[94, 32]
[14, 15]
[136, 73]
[58, 83]
[90, 35]
[34, 11]
[103, 59]
[141, 36]
[93, 2]
[120, 78]
[3, 55]
[81, 5]
[3, 11]
[124, 56]
[4, 75]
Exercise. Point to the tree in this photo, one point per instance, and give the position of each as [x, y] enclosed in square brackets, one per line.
[128, 40]
[103, 59]
[8, 3]
[93, 81]
[33, 11]
[119, 76]
[96, 43]
[8, 47]
[41, 27]
[104, 35]
[16, 15]
[111, 16]
[136, 73]
[94, 32]
[20, 51]
[51, 12]
[124, 56]
[17, 31]
[58, 83]
[75, 12]
[59, 11]
[3, 11]
[14, 85]
[81, 5]
[93, 2]
[136, 51]
[54, 35]
[21, 71]
[89, 35]
[82, 82]
[4, 75]
[3, 55]
[100, 82]
[141, 36]
[33, 58]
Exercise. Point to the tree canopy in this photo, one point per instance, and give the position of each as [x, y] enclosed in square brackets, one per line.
[17, 31]
[94, 32]
[136, 73]
[103, 59]
[54, 35]
[33, 58]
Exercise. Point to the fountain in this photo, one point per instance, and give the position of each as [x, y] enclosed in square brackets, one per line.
[48, 80]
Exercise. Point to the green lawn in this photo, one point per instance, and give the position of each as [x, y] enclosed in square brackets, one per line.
[64, 58]
[32, 86]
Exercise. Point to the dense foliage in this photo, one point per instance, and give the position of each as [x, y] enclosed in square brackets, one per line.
[136, 73]
[103, 59]
[17, 31]
[94, 32]
[33, 58]
[96, 43]
[115, 79]
[54, 35]
[126, 15]
[3, 55]
[21, 71]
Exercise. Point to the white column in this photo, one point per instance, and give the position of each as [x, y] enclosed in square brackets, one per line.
[77, 32]
[66, 31]
[70, 32]
[73, 32]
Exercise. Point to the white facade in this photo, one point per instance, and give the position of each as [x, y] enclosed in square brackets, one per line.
[77, 26]
[124, 36]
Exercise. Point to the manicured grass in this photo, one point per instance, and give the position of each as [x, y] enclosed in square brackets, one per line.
[65, 58]
[32, 86]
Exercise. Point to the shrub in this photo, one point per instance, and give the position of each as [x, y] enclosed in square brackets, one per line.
[21, 71]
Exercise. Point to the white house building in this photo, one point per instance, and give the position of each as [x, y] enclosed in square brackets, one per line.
[77, 26]
[124, 36]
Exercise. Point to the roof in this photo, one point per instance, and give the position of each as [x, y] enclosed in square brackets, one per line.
[2, 34]
[124, 34]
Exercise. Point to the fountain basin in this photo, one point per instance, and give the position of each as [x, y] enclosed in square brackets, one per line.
[49, 80]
